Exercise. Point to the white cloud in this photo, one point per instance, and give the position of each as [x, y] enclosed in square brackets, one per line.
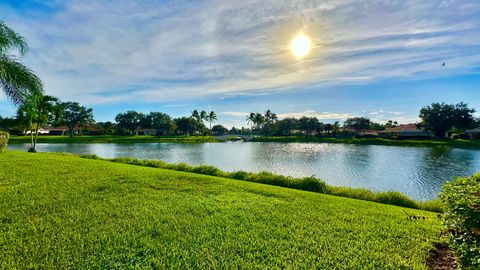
[101, 52]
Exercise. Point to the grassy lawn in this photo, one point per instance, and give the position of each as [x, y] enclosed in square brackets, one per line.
[62, 211]
[468, 144]
[114, 139]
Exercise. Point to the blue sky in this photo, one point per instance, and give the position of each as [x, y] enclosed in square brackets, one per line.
[379, 59]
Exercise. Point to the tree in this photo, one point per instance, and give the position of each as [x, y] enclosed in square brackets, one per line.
[391, 124]
[17, 81]
[219, 129]
[199, 118]
[211, 118]
[258, 121]
[251, 119]
[440, 118]
[309, 125]
[286, 126]
[335, 127]
[186, 125]
[328, 128]
[131, 121]
[161, 122]
[357, 123]
[73, 115]
[269, 119]
[37, 111]
[108, 128]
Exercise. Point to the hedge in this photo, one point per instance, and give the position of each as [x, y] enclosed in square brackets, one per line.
[462, 219]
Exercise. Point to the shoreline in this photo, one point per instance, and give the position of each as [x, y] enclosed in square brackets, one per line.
[457, 143]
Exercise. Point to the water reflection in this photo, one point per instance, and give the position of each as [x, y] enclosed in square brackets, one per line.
[416, 171]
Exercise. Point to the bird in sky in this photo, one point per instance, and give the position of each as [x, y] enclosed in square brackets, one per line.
[443, 64]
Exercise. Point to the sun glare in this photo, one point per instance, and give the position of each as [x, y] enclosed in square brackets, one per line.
[300, 46]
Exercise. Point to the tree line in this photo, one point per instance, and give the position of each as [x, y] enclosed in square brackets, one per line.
[440, 119]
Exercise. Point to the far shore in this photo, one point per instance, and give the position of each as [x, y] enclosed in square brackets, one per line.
[457, 143]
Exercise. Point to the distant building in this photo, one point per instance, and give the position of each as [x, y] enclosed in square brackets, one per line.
[474, 133]
[146, 131]
[41, 131]
[367, 133]
[405, 131]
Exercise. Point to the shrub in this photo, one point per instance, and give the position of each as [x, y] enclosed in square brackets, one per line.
[462, 219]
[3, 140]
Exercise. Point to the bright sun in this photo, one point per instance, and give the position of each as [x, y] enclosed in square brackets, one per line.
[300, 46]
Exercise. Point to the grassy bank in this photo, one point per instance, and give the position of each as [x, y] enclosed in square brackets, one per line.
[114, 139]
[467, 144]
[306, 183]
[62, 211]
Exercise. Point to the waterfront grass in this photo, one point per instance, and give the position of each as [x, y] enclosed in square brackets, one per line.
[457, 143]
[114, 139]
[62, 211]
[308, 183]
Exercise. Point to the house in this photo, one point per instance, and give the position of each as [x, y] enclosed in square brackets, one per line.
[41, 131]
[405, 131]
[57, 130]
[474, 133]
[146, 131]
[367, 133]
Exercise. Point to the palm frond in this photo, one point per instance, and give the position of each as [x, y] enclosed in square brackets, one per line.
[9, 39]
[17, 81]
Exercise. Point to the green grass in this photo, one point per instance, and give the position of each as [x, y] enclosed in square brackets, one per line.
[62, 211]
[458, 143]
[308, 183]
[114, 139]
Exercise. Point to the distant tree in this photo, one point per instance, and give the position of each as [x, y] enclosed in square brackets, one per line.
[309, 125]
[131, 121]
[161, 122]
[440, 118]
[269, 119]
[37, 111]
[185, 125]
[203, 116]
[73, 114]
[357, 123]
[376, 126]
[286, 126]
[335, 127]
[12, 125]
[219, 129]
[328, 128]
[211, 118]
[17, 81]
[251, 119]
[258, 121]
[391, 124]
[108, 128]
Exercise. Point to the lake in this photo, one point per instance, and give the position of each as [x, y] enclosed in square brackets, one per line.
[418, 172]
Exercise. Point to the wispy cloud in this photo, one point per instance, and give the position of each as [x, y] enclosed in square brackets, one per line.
[105, 52]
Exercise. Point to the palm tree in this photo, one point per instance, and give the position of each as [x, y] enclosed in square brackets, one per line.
[16, 80]
[251, 119]
[211, 117]
[196, 115]
[203, 116]
[259, 120]
[37, 111]
[335, 127]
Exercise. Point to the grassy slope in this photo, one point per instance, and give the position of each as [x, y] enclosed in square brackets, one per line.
[63, 211]
[114, 139]
[467, 144]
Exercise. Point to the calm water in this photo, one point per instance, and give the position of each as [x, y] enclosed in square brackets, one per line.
[417, 171]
